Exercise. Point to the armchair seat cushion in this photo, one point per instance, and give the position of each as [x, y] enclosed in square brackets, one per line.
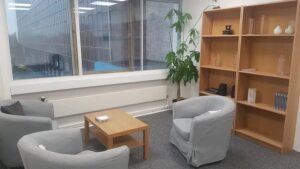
[183, 127]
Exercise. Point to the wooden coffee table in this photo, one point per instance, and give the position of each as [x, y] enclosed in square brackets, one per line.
[116, 132]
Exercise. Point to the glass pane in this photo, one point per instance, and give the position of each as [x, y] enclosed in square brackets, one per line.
[156, 37]
[39, 36]
[105, 32]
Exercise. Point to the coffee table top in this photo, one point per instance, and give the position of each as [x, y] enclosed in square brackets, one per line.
[120, 122]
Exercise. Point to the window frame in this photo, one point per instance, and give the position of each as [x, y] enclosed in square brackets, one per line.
[20, 87]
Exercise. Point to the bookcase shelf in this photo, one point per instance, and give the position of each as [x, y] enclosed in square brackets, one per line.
[220, 36]
[218, 68]
[244, 132]
[213, 78]
[259, 73]
[267, 17]
[204, 93]
[216, 21]
[266, 87]
[254, 57]
[257, 51]
[220, 52]
[268, 35]
[262, 106]
[260, 125]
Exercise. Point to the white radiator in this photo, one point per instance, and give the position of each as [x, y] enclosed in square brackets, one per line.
[78, 105]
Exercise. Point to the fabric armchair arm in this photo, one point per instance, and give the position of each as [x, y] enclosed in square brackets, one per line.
[117, 158]
[38, 108]
[13, 128]
[208, 128]
[189, 108]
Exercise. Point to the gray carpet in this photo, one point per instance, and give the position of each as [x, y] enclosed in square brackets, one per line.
[242, 154]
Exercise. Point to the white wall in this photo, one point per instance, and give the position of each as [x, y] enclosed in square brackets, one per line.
[297, 135]
[195, 7]
[136, 97]
[5, 75]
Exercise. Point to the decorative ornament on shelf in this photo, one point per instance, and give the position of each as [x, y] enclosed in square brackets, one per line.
[281, 65]
[289, 30]
[277, 30]
[218, 61]
[228, 30]
[251, 95]
[222, 91]
[251, 26]
[262, 24]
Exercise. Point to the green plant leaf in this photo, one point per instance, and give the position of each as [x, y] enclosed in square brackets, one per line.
[192, 42]
[170, 58]
[178, 13]
[181, 62]
[170, 15]
[193, 33]
[195, 55]
[177, 26]
[186, 17]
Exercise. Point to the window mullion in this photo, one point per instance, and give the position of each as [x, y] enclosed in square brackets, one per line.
[142, 35]
[78, 41]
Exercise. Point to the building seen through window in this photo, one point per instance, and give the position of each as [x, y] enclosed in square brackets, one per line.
[115, 36]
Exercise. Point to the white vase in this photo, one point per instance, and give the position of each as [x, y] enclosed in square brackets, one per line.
[277, 30]
[281, 65]
[251, 95]
[289, 30]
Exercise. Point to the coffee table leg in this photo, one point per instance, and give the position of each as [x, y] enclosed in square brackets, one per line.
[146, 144]
[86, 132]
[110, 143]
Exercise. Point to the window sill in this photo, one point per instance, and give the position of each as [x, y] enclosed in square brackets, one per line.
[74, 82]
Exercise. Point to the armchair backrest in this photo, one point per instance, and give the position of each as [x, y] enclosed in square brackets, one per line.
[189, 108]
[65, 155]
[196, 106]
[12, 128]
[33, 107]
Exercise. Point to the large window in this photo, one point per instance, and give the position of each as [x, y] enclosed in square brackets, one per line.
[49, 38]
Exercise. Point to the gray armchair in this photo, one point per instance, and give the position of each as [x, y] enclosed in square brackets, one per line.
[202, 128]
[39, 116]
[64, 150]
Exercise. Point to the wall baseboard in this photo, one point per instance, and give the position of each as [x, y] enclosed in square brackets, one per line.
[140, 113]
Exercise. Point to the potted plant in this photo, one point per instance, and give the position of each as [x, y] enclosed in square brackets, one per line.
[181, 61]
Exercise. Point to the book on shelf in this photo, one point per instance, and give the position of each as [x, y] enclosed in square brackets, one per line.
[280, 101]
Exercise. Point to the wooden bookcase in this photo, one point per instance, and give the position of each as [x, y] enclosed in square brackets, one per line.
[224, 59]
